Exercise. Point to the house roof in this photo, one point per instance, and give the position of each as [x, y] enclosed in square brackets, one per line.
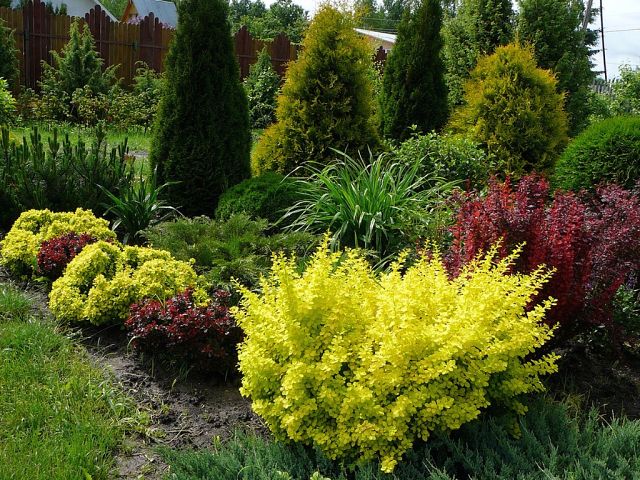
[164, 11]
[385, 37]
[75, 8]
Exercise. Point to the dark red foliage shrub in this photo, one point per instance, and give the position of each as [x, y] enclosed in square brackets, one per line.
[592, 242]
[55, 254]
[206, 336]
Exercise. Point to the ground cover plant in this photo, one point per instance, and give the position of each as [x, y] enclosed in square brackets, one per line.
[62, 418]
[591, 242]
[606, 152]
[104, 279]
[362, 365]
[238, 248]
[555, 442]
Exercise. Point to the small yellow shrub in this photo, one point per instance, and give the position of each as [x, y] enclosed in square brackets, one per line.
[362, 365]
[19, 249]
[101, 282]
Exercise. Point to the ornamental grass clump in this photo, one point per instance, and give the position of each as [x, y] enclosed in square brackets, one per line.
[105, 279]
[363, 365]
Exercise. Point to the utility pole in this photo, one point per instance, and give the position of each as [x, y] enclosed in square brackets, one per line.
[604, 54]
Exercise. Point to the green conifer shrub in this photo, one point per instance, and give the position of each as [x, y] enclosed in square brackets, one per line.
[7, 104]
[608, 151]
[414, 92]
[326, 101]
[79, 65]
[262, 87]
[513, 109]
[8, 55]
[201, 137]
[477, 28]
[554, 29]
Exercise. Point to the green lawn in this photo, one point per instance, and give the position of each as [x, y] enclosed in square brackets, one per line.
[138, 139]
[60, 417]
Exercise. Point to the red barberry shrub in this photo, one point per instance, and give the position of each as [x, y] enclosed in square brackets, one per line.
[55, 254]
[592, 241]
[203, 335]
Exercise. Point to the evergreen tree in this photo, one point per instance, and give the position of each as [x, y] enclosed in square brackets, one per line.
[513, 109]
[201, 136]
[262, 87]
[472, 29]
[414, 92]
[326, 101]
[78, 65]
[554, 28]
[8, 55]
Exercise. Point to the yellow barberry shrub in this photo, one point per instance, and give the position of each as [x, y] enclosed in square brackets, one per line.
[362, 365]
[101, 282]
[19, 249]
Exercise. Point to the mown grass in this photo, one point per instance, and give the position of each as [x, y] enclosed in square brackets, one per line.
[60, 417]
[137, 139]
[555, 444]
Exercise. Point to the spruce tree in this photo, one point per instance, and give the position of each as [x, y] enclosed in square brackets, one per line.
[554, 28]
[201, 136]
[77, 66]
[414, 91]
[8, 55]
[262, 87]
[326, 101]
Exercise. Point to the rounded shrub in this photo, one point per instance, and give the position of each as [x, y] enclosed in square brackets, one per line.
[606, 152]
[55, 254]
[105, 279]
[326, 101]
[450, 157]
[513, 110]
[265, 196]
[362, 365]
[19, 249]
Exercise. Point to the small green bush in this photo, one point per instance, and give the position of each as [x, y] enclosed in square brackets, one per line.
[59, 175]
[514, 111]
[608, 151]
[236, 248]
[104, 279]
[7, 104]
[265, 196]
[450, 157]
[326, 101]
[19, 249]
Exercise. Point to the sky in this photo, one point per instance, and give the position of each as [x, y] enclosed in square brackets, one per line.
[621, 46]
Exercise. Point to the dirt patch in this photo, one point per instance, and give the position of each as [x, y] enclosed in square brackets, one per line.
[186, 411]
[606, 380]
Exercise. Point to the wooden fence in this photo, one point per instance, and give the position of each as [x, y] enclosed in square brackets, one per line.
[38, 31]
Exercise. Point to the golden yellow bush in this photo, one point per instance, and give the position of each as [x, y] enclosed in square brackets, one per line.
[362, 365]
[19, 249]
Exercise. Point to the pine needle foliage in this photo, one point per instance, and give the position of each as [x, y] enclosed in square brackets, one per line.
[513, 109]
[554, 29]
[326, 101]
[262, 87]
[414, 92]
[78, 66]
[201, 137]
[8, 55]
